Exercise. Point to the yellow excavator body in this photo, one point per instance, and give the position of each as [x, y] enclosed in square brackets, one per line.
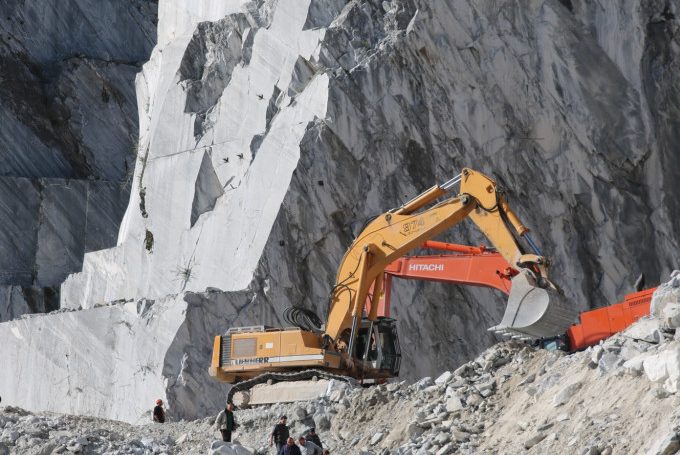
[245, 355]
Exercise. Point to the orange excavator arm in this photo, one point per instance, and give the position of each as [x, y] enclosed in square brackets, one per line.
[471, 266]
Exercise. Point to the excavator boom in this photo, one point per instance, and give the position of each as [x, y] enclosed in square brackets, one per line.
[470, 266]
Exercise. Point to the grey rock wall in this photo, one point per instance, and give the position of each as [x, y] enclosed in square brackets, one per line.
[50, 223]
[16, 301]
[69, 132]
[528, 94]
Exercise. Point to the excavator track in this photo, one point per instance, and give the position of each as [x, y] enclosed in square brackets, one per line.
[292, 376]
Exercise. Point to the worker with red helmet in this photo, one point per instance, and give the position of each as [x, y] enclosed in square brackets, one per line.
[158, 412]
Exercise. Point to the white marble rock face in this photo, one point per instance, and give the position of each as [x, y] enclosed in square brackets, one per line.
[270, 130]
[208, 197]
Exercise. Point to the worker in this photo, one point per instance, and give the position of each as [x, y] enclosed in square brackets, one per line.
[158, 412]
[312, 436]
[280, 434]
[308, 447]
[290, 448]
[373, 349]
[226, 422]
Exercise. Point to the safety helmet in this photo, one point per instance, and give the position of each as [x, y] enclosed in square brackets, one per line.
[159, 402]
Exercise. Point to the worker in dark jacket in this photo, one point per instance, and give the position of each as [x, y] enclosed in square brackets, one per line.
[280, 434]
[290, 448]
[225, 422]
[312, 436]
[158, 412]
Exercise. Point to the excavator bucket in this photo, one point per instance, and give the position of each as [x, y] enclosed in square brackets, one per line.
[534, 312]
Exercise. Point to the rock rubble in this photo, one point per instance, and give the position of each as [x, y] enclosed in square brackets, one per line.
[512, 398]
[597, 409]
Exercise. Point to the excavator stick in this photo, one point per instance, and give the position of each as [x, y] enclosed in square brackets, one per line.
[534, 312]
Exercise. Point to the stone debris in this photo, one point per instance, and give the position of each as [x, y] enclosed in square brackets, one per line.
[454, 404]
[635, 366]
[444, 378]
[229, 448]
[532, 441]
[665, 304]
[562, 417]
[666, 446]
[540, 401]
[659, 392]
[564, 395]
[646, 329]
[608, 362]
[376, 438]
[664, 366]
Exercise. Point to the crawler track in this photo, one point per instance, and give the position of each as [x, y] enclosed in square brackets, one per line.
[287, 377]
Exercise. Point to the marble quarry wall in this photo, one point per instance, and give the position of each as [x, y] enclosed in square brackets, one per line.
[68, 137]
[269, 130]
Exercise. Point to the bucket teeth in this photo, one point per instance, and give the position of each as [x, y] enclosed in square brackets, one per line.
[509, 333]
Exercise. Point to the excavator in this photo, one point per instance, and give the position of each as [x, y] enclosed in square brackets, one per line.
[484, 267]
[355, 343]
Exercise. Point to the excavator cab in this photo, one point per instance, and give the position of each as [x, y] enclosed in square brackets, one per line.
[378, 345]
